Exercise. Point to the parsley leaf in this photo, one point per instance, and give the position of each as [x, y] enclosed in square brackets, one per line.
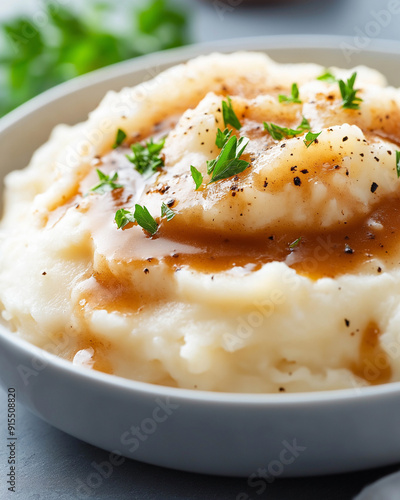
[294, 98]
[310, 138]
[121, 136]
[145, 220]
[229, 115]
[167, 212]
[398, 163]
[210, 165]
[222, 137]
[295, 243]
[327, 77]
[278, 133]
[350, 100]
[197, 177]
[123, 217]
[146, 158]
[141, 215]
[228, 162]
[304, 125]
[106, 184]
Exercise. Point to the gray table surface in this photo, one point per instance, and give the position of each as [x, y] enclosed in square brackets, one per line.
[50, 463]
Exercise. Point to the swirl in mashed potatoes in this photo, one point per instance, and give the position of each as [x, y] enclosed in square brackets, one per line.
[284, 276]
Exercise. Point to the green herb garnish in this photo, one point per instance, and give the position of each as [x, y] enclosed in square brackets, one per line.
[229, 115]
[197, 177]
[327, 77]
[141, 215]
[310, 138]
[295, 243]
[278, 133]
[228, 162]
[398, 163]
[106, 184]
[222, 137]
[146, 158]
[121, 136]
[350, 100]
[167, 212]
[145, 220]
[304, 125]
[123, 217]
[294, 98]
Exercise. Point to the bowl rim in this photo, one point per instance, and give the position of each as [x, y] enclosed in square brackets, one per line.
[170, 57]
[174, 56]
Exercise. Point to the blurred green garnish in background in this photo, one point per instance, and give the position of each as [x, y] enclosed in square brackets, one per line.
[57, 43]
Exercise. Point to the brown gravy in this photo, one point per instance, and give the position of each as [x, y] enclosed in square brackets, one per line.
[373, 365]
[322, 253]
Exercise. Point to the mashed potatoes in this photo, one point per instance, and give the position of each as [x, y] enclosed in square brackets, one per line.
[282, 275]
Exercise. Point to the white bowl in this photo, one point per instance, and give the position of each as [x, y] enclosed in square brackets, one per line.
[230, 434]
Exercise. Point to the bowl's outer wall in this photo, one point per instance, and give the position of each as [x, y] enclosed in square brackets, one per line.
[202, 436]
[322, 436]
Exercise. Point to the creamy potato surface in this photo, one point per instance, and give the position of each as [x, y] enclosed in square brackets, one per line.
[279, 273]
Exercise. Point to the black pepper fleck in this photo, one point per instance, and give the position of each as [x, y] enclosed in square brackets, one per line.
[297, 181]
[374, 187]
[348, 249]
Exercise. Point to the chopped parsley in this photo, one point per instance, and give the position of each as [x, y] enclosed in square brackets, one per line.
[295, 243]
[141, 215]
[222, 137]
[197, 177]
[167, 212]
[121, 136]
[146, 159]
[278, 133]
[310, 138]
[123, 217]
[228, 162]
[145, 220]
[327, 77]
[229, 115]
[107, 183]
[348, 92]
[294, 98]
[304, 125]
[398, 163]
